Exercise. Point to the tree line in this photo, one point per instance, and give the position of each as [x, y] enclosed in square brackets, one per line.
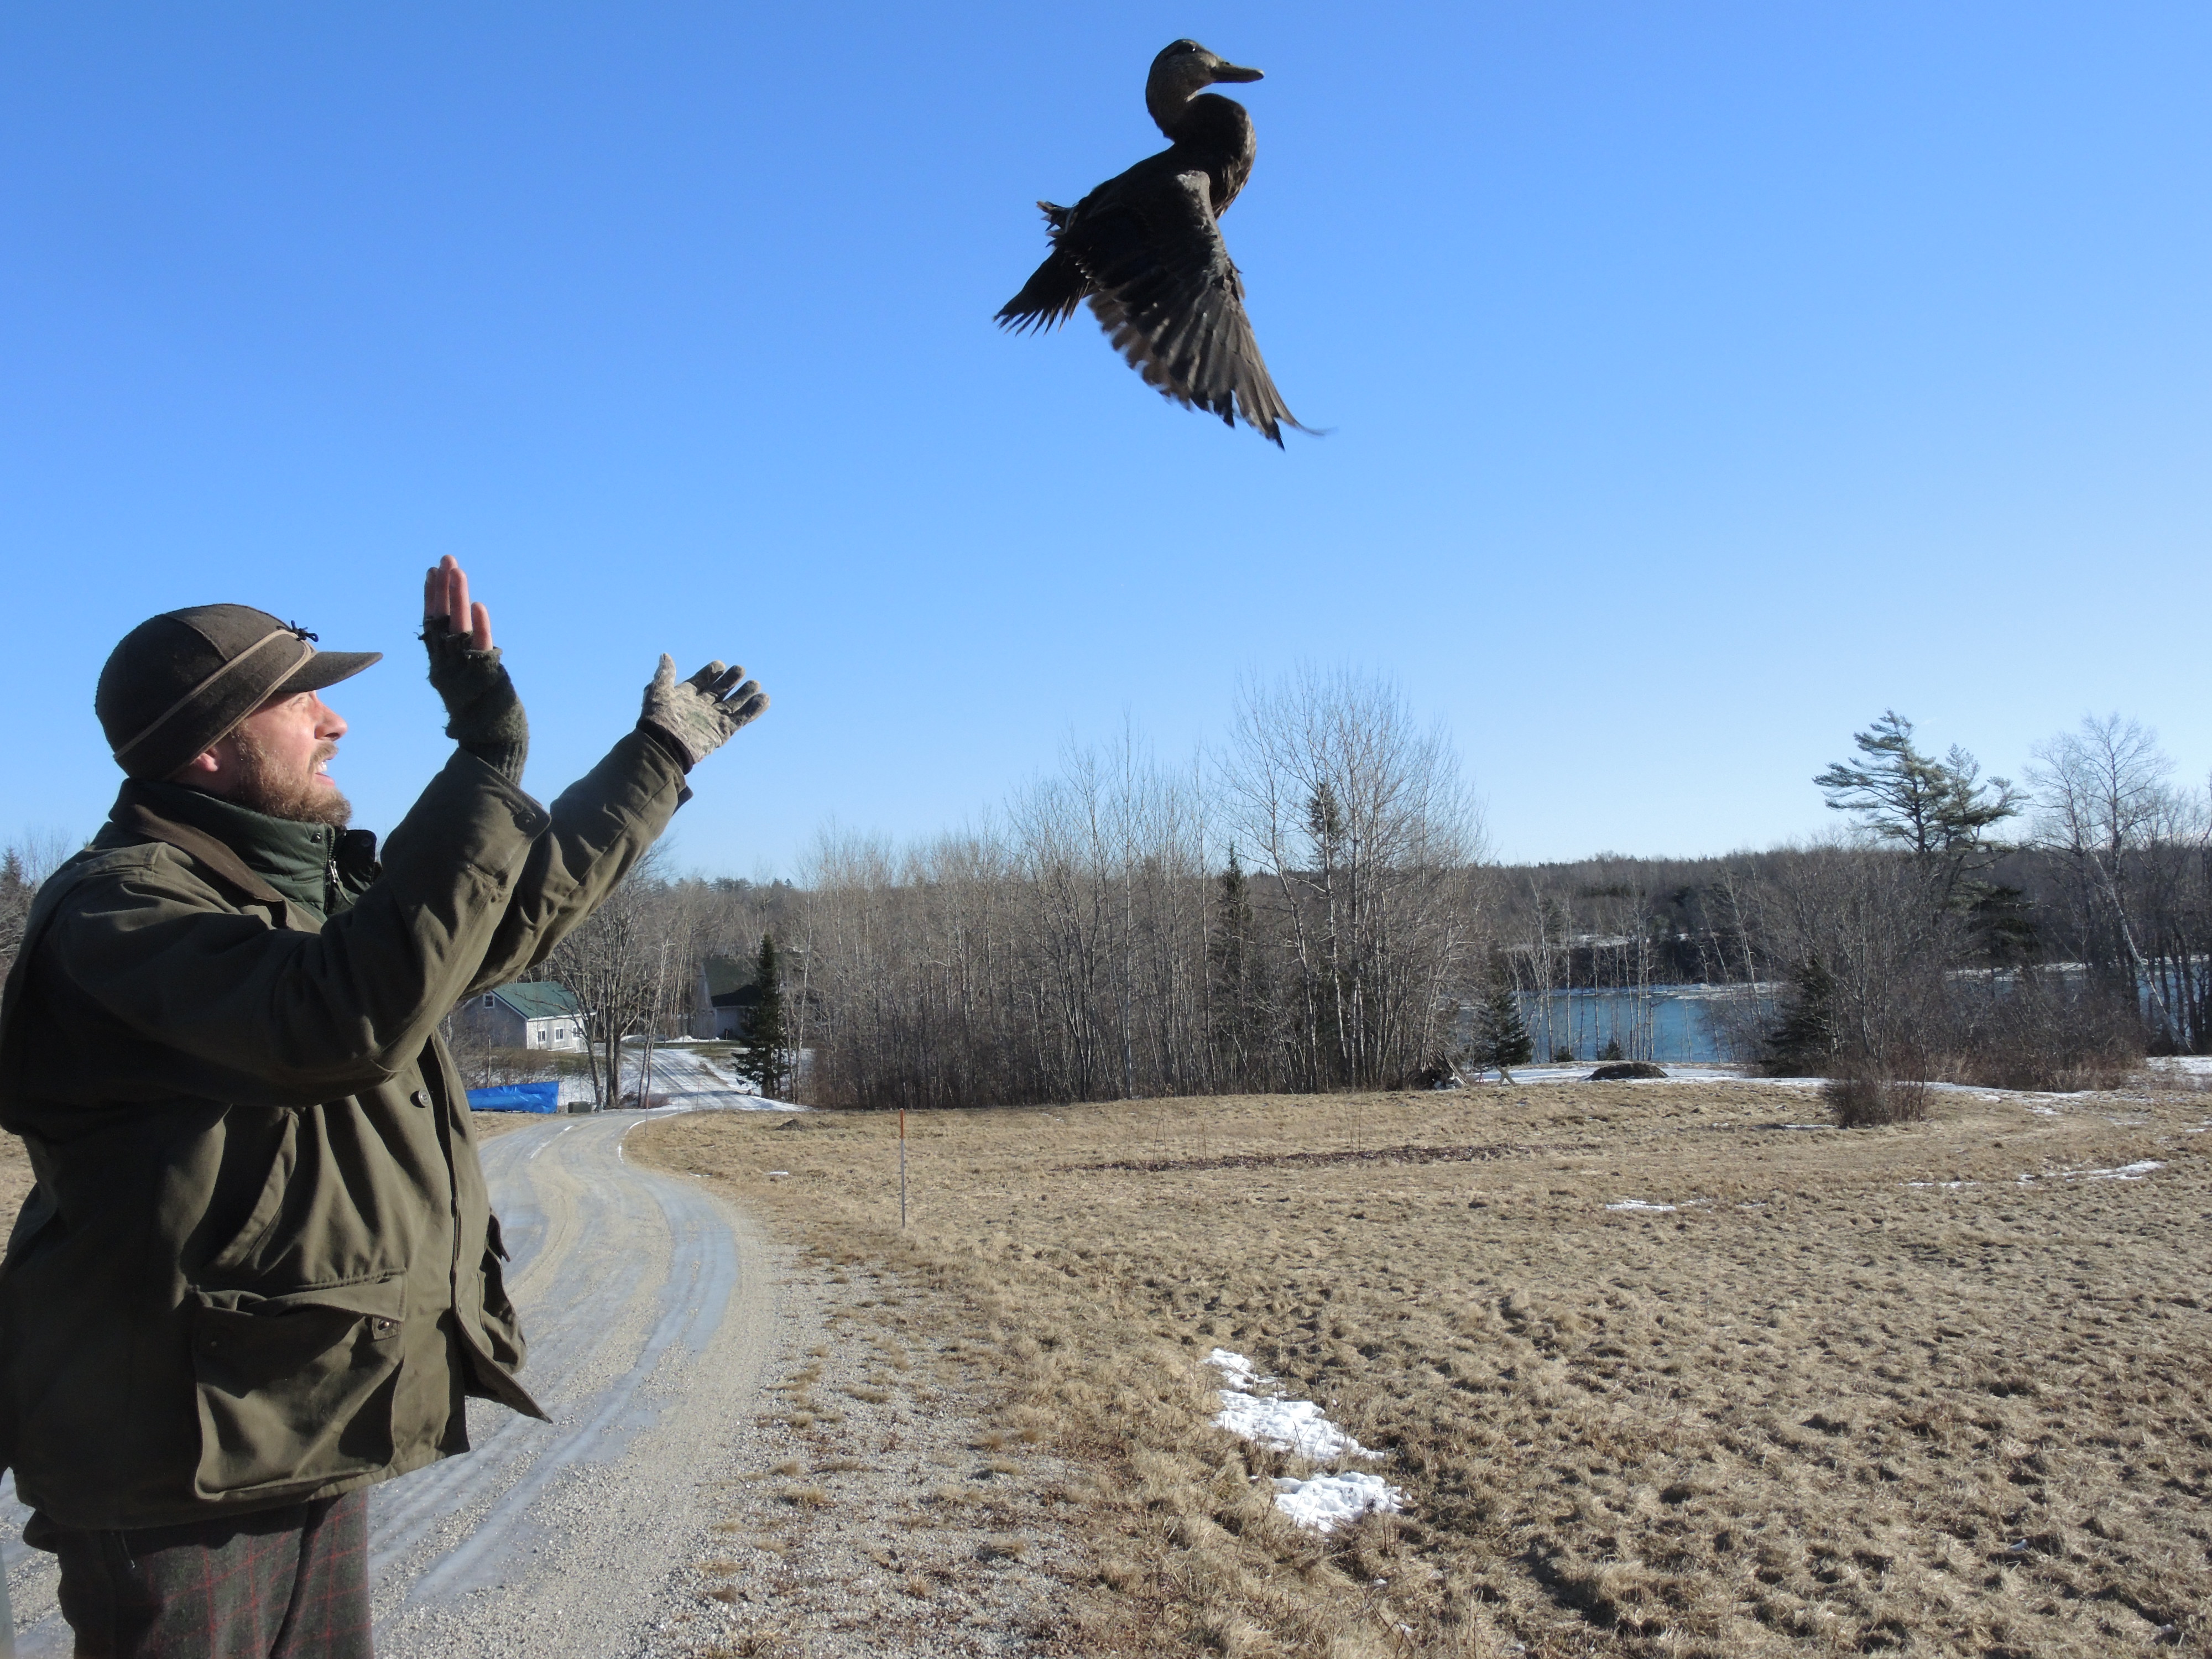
[1970, 929]
[1312, 907]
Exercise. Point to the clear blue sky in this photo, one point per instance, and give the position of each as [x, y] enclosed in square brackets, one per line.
[1703, 379]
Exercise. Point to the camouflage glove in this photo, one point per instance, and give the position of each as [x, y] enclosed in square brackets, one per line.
[483, 713]
[693, 718]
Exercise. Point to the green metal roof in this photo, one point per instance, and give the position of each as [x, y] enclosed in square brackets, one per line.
[726, 973]
[534, 999]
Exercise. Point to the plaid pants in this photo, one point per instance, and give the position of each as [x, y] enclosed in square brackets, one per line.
[281, 1583]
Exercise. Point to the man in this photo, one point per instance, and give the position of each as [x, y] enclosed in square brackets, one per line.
[259, 1272]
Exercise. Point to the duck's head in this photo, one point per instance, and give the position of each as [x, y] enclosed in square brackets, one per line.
[1182, 71]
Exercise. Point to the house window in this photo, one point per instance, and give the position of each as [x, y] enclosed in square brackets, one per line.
[490, 1002]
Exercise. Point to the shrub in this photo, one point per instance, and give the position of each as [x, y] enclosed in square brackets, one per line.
[2041, 1031]
[1862, 1096]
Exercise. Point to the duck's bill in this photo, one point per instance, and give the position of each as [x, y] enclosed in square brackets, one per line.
[1235, 72]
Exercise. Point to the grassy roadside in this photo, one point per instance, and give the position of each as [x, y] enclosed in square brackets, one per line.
[1812, 1408]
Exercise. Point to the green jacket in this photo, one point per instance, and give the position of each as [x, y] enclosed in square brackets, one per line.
[259, 1265]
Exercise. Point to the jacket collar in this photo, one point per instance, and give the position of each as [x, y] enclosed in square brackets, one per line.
[268, 857]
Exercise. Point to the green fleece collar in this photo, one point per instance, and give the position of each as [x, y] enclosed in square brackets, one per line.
[293, 858]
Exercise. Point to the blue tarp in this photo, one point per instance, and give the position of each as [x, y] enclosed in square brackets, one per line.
[517, 1097]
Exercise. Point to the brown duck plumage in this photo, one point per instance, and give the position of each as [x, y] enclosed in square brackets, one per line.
[1145, 249]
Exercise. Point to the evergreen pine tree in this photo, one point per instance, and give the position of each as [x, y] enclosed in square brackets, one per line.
[1501, 1036]
[1943, 810]
[1324, 821]
[1229, 953]
[1804, 1043]
[2002, 920]
[763, 1058]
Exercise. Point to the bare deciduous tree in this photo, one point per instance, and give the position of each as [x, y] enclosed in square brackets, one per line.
[1360, 823]
[2104, 808]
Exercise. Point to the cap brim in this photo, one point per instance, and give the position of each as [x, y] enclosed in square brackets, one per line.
[325, 668]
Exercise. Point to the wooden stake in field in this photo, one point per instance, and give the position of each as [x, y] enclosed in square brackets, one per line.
[901, 1168]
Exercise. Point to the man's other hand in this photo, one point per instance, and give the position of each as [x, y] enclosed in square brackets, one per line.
[696, 717]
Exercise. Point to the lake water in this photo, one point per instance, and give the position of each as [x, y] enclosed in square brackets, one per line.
[1666, 1021]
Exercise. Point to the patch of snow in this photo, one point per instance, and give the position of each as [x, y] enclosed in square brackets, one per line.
[1638, 1204]
[1678, 1071]
[2125, 1172]
[1236, 1370]
[1290, 1425]
[1324, 1501]
[685, 1080]
[1947, 1186]
[1328, 1501]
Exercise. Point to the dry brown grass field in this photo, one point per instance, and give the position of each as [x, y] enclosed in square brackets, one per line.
[1858, 1392]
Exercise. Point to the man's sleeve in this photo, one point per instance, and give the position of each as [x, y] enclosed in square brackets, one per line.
[601, 826]
[309, 1016]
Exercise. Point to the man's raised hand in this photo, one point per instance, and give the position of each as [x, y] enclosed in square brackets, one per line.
[693, 718]
[445, 600]
[483, 713]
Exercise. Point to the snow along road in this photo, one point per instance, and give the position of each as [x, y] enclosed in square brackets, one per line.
[646, 1304]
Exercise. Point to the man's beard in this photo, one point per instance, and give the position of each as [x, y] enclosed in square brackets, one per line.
[266, 787]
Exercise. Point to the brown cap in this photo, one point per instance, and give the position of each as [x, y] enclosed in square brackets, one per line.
[185, 678]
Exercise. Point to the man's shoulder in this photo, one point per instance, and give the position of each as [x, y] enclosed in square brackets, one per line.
[129, 874]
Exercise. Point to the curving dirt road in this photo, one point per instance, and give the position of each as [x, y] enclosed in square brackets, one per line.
[646, 1302]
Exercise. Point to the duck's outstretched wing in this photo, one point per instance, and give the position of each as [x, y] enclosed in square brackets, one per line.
[1170, 299]
[1054, 288]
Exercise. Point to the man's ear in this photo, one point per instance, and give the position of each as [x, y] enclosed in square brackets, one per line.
[205, 764]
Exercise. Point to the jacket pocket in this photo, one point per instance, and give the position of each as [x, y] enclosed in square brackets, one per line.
[495, 1346]
[295, 1390]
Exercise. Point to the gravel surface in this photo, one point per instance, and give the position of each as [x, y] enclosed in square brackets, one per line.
[885, 1502]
